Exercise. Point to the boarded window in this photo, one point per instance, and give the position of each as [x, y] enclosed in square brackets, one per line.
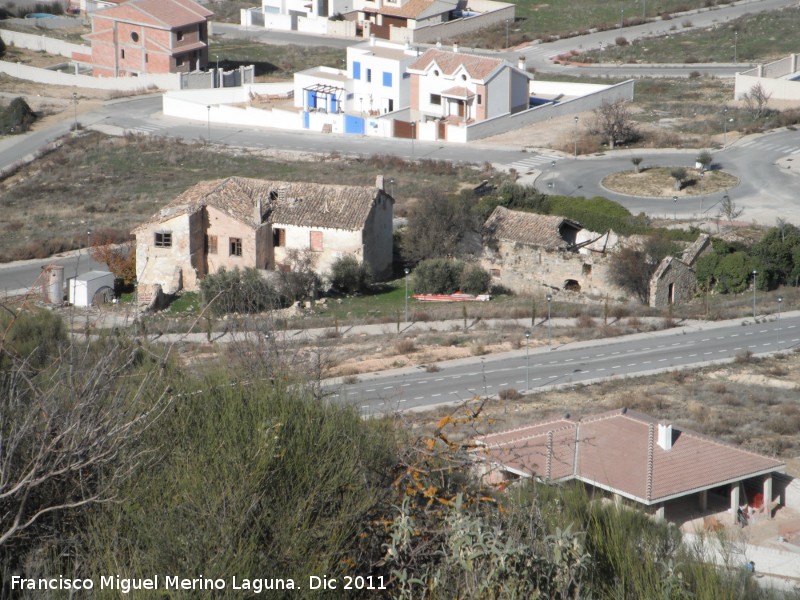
[163, 239]
[236, 246]
[211, 244]
[316, 241]
[278, 237]
[436, 99]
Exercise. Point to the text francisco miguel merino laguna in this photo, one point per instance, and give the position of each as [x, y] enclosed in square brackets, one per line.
[174, 582]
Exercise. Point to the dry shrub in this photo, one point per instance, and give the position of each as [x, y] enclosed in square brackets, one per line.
[478, 350]
[405, 346]
[619, 312]
[718, 387]
[420, 316]
[744, 357]
[520, 313]
[679, 376]
[584, 321]
[778, 371]
[635, 323]
[432, 368]
[698, 412]
[785, 424]
[350, 379]
[789, 410]
[509, 394]
[730, 400]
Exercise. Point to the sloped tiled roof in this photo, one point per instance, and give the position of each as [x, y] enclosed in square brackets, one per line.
[167, 14]
[612, 451]
[458, 92]
[282, 203]
[416, 9]
[528, 228]
[478, 67]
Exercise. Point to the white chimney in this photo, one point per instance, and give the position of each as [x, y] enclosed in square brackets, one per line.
[521, 64]
[379, 183]
[371, 39]
[664, 436]
[438, 44]
[455, 46]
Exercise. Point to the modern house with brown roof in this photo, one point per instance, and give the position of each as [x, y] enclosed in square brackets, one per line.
[148, 36]
[240, 222]
[633, 456]
[454, 87]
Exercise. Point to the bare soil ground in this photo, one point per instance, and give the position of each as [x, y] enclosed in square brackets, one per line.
[658, 183]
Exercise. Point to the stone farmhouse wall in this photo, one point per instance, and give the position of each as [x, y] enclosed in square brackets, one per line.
[675, 285]
[527, 269]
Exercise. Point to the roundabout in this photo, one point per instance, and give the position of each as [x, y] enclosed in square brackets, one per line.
[659, 182]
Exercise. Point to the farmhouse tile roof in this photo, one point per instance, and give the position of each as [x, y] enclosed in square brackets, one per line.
[416, 9]
[282, 203]
[478, 67]
[167, 14]
[617, 451]
[528, 228]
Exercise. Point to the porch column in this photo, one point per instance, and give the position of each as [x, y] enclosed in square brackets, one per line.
[734, 497]
[768, 495]
[703, 500]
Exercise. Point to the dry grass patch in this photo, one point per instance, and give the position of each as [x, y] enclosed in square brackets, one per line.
[657, 182]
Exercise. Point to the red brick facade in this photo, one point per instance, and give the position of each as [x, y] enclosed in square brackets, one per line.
[149, 36]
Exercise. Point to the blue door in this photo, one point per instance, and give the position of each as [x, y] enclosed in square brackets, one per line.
[306, 120]
[353, 125]
[334, 105]
[311, 99]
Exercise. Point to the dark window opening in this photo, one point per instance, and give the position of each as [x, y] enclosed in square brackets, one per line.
[236, 246]
[278, 237]
[180, 36]
[586, 269]
[122, 53]
[163, 240]
[436, 99]
[572, 286]
[134, 36]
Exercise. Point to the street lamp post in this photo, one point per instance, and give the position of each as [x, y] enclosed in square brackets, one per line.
[754, 293]
[406, 272]
[88, 239]
[576, 137]
[208, 137]
[552, 184]
[735, 44]
[549, 328]
[527, 362]
[75, 110]
[507, 33]
[391, 183]
[413, 135]
[675, 206]
[778, 329]
[621, 17]
[702, 177]
[725, 127]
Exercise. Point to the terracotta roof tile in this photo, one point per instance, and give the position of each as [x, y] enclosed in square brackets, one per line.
[283, 203]
[612, 452]
[458, 92]
[478, 67]
[158, 13]
[530, 228]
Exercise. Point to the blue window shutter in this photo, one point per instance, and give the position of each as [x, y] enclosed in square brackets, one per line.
[387, 79]
[356, 70]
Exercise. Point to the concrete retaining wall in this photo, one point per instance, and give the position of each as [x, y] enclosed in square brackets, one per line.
[167, 81]
[500, 11]
[42, 43]
[779, 89]
[620, 91]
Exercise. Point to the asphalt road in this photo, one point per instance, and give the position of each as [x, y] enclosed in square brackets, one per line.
[765, 190]
[628, 356]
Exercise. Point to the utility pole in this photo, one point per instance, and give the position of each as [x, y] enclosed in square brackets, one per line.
[576, 137]
[208, 137]
[754, 293]
[527, 362]
[406, 271]
[549, 325]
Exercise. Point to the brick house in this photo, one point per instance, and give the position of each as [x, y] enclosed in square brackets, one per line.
[239, 222]
[148, 36]
[465, 88]
[631, 455]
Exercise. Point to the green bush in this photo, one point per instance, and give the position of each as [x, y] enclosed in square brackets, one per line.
[17, 117]
[238, 291]
[597, 214]
[349, 275]
[34, 336]
[475, 280]
[438, 276]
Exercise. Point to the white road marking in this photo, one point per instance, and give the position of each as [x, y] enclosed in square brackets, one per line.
[419, 398]
[661, 359]
[405, 385]
[372, 390]
[632, 365]
[617, 367]
[692, 355]
[647, 362]
[435, 395]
